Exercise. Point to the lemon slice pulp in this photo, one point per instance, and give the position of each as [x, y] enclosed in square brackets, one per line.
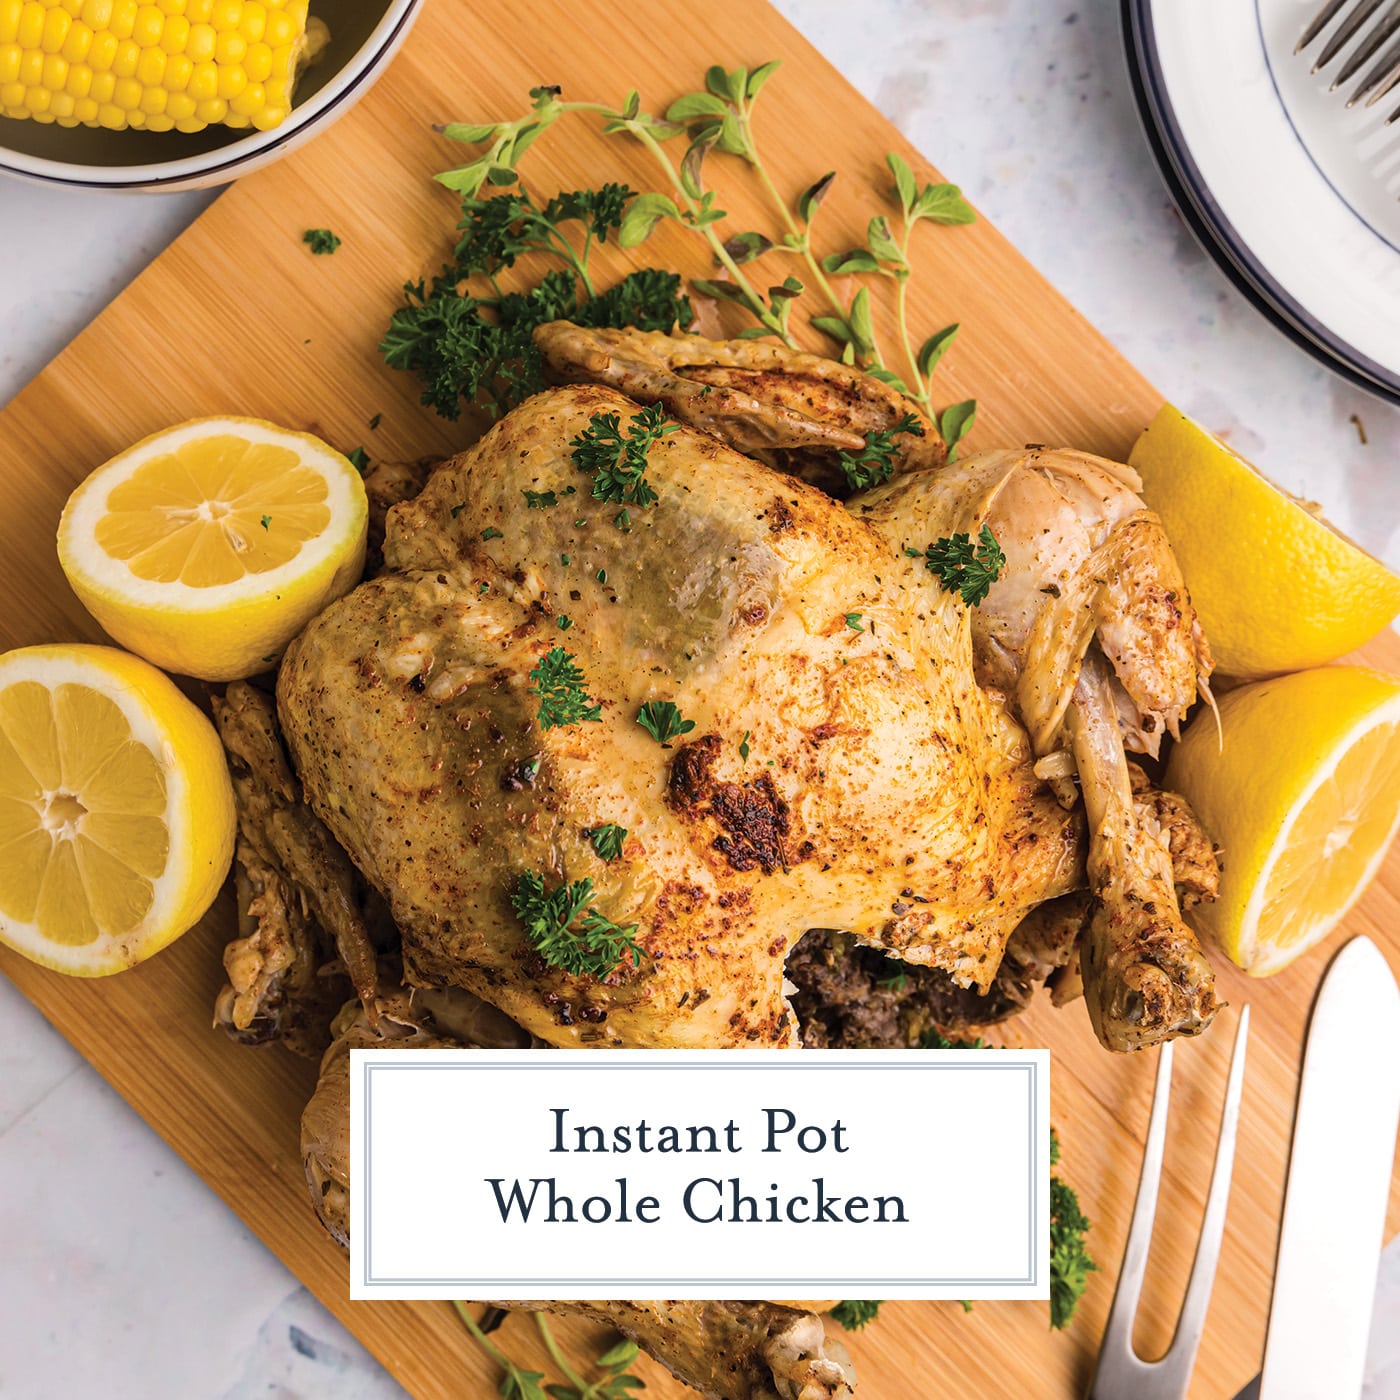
[116, 810]
[206, 548]
[1304, 799]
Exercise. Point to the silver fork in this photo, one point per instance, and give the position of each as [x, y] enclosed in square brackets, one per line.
[1384, 73]
[1121, 1374]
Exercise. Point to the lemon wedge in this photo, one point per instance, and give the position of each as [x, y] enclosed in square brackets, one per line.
[1277, 588]
[1302, 792]
[116, 809]
[208, 547]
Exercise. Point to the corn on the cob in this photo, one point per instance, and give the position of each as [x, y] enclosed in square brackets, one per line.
[153, 64]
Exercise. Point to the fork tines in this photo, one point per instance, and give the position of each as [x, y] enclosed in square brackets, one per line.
[1384, 73]
[1120, 1373]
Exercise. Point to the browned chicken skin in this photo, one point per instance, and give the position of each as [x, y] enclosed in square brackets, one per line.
[790, 410]
[884, 791]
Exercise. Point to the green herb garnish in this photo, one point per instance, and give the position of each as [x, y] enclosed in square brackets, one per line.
[359, 459]
[320, 240]
[874, 463]
[662, 720]
[744, 747]
[853, 621]
[563, 622]
[855, 1314]
[266, 521]
[618, 464]
[607, 840]
[562, 691]
[540, 500]
[492, 533]
[1070, 1264]
[568, 932]
[962, 567]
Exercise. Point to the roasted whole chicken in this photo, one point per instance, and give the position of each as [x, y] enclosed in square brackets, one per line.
[861, 750]
[843, 762]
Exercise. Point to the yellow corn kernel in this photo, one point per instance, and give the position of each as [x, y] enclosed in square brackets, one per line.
[61, 105]
[76, 45]
[102, 51]
[79, 82]
[74, 7]
[230, 47]
[232, 81]
[180, 107]
[37, 99]
[153, 101]
[111, 117]
[177, 73]
[159, 123]
[31, 68]
[85, 109]
[56, 26]
[127, 94]
[123, 19]
[150, 68]
[254, 22]
[212, 110]
[250, 101]
[9, 63]
[149, 24]
[281, 29]
[12, 97]
[204, 82]
[226, 14]
[125, 59]
[200, 44]
[97, 14]
[9, 20]
[172, 7]
[176, 34]
[102, 85]
[257, 63]
[30, 31]
[55, 73]
[198, 11]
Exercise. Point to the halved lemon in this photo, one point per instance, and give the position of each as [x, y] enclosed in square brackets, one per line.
[208, 547]
[1277, 588]
[116, 809]
[1303, 796]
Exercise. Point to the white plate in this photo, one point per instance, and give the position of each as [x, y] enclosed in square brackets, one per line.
[1296, 194]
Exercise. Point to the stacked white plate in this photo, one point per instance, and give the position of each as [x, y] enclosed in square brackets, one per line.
[1295, 195]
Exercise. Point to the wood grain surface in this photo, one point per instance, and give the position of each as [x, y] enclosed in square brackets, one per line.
[238, 317]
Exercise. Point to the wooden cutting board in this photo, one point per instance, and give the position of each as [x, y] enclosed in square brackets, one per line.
[238, 317]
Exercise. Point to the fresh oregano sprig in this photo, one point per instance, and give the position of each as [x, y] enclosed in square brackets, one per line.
[516, 1383]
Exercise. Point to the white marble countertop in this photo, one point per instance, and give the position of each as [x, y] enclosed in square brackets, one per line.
[122, 1275]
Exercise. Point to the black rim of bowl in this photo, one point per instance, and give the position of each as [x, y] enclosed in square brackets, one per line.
[1216, 234]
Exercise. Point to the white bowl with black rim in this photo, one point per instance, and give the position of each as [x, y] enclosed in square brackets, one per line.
[1291, 193]
[364, 36]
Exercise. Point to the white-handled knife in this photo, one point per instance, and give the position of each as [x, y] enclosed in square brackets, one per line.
[1338, 1184]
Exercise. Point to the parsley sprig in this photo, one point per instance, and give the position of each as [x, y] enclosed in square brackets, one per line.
[1070, 1262]
[854, 1314]
[663, 720]
[568, 932]
[963, 567]
[874, 463]
[607, 840]
[562, 691]
[468, 342]
[618, 464]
